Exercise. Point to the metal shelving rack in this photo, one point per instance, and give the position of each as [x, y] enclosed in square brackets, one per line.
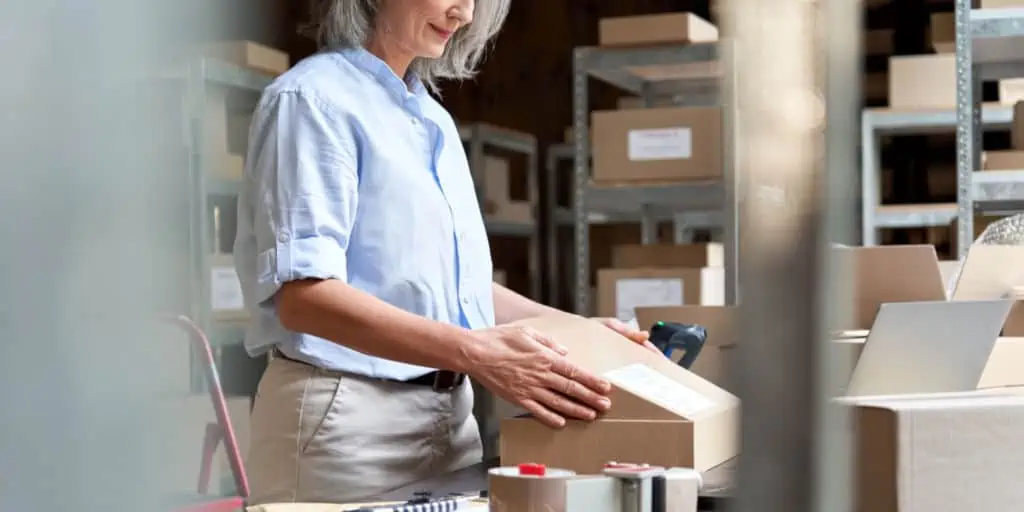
[988, 47]
[876, 123]
[618, 66]
[203, 184]
[478, 139]
[989, 44]
[683, 223]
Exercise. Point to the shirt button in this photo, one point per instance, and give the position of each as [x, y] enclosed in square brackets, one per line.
[283, 237]
[465, 300]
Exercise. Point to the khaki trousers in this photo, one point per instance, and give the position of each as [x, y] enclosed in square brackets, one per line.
[332, 437]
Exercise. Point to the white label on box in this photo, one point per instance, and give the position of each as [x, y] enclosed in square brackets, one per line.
[645, 292]
[225, 290]
[660, 144]
[648, 383]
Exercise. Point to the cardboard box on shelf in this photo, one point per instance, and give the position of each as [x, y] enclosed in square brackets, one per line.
[657, 145]
[251, 55]
[668, 255]
[652, 29]
[878, 42]
[1017, 126]
[620, 291]
[519, 212]
[997, 4]
[922, 81]
[943, 32]
[496, 179]
[226, 165]
[1002, 160]
[1011, 90]
[661, 414]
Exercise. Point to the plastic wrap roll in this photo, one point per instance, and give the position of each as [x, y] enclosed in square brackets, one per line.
[527, 488]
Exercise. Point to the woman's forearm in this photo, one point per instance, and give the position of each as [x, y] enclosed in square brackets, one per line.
[335, 311]
[509, 306]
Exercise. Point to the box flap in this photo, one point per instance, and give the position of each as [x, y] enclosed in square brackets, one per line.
[990, 272]
[643, 374]
[898, 273]
[936, 346]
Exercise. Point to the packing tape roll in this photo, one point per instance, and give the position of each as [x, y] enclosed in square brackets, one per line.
[510, 491]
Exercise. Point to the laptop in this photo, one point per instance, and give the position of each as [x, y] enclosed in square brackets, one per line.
[928, 347]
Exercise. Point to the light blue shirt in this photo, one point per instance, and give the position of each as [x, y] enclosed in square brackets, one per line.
[353, 175]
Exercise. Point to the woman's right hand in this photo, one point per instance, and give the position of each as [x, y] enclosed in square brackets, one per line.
[526, 368]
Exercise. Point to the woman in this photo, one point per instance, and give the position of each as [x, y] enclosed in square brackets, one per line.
[365, 264]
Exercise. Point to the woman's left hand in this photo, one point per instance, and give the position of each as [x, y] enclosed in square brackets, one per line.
[634, 335]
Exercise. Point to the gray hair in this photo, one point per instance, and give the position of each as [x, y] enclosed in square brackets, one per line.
[350, 23]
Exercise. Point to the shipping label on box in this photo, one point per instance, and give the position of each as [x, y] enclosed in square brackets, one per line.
[660, 144]
[620, 291]
[631, 293]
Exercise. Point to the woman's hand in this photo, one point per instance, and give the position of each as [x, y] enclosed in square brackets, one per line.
[526, 368]
[634, 335]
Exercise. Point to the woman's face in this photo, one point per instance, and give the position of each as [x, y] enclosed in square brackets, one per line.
[422, 28]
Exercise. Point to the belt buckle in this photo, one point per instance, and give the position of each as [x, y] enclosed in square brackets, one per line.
[445, 380]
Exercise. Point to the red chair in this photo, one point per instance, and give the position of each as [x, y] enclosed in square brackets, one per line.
[215, 433]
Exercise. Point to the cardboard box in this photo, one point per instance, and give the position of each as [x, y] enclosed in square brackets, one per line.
[518, 212]
[652, 29]
[940, 452]
[251, 55]
[661, 414]
[1017, 127]
[896, 273]
[998, 4]
[922, 82]
[1002, 160]
[943, 32]
[1002, 370]
[1011, 90]
[619, 291]
[878, 42]
[657, 145]
[668, 255]
[496, 179]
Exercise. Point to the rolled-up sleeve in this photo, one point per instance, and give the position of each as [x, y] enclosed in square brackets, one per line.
[305, 177]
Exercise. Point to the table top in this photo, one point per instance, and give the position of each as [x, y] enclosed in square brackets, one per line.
[717, 484]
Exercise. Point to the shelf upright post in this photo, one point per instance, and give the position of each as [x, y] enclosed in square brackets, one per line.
[870, 174]
[730, 177]
[553, 226]
[199, 240]
[533, 195]
[968, 127]
[581, 176]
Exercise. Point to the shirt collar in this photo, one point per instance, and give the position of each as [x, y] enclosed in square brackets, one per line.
[377, 68]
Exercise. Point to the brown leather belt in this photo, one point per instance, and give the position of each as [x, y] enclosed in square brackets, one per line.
[441, 381]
